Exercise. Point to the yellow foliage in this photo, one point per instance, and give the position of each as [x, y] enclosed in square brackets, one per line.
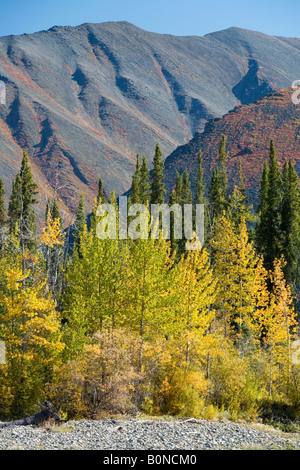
[52, 235]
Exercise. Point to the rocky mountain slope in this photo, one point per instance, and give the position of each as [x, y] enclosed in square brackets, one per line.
[248, 129]
[85, 100]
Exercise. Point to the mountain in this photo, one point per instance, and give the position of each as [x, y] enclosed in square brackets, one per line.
[248, 129]
[85, 100]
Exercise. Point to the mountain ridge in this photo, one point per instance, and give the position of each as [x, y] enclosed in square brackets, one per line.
[248, 130]
[84, 100]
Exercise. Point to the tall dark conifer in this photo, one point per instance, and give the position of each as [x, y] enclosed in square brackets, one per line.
[216, 200]
[157, 181]
[80, 224]
[2, 214]
[200, 187]
[186, 188]
[268, 232]
[144, 182]
[101, 196]
[290, 223]
[21, 205]
[135, 192]
[222, 162]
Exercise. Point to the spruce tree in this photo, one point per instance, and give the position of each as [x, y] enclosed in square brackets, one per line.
[238, 203]
[178, 190]
[135, 185]
[2, 204]
[268, 233]
[2, 214]
[216, 202]
[290, 222]
[101, 196]
[222, 162]
[144, 182]
[186, 188]
[157, 185]
[262, 210]
[15, 205]
[80, 224]
[199, 194]
[200, 187]
[21, 205]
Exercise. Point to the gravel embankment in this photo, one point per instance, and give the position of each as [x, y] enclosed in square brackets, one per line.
[138, 434]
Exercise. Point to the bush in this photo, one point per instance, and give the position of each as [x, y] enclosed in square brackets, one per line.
[102, 381]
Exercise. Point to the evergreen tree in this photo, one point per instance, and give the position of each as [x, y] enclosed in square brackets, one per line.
[80, 224]
[2, 214]
[101, 197]
[199, 195]
[135, 193]
[268, 234]
[21, 205]
[157, 185]
[2, 204]
[200, 187]
[238, 203]
[262, 209]
[186, 188]
[178, 190]
[216, 200]
[290, 223]
[144, 182]
[222, 162]
[15, 205]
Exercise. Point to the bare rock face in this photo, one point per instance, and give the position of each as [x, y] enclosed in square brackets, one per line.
[85, 100]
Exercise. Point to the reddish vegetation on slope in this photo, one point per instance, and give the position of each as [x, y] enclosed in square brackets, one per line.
[249, 129]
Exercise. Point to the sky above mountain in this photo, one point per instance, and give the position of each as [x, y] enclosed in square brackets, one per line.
[178, 17]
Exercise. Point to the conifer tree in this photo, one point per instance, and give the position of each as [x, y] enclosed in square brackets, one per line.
[157, 184]
[21, 205]
[135, 192]
[200, 187]
[222, 162]
[101, 197]
[238, 203]
[2, 214]
[2, 204]
[268, 233]
[80, 224]
[186, 188]
[262, 210]
[15, 204]
[216, 201]
[178, 190]
[144, 182]
[290, 223]
[199, 194]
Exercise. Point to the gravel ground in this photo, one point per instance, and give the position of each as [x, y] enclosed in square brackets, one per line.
[139, 434]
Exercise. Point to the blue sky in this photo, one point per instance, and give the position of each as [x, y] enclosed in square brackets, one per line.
[179, 17]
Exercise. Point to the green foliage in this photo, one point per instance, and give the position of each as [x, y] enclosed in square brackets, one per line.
[157, 189]
[120, 325]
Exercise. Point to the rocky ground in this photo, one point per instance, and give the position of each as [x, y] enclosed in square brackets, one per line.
[147, 434]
